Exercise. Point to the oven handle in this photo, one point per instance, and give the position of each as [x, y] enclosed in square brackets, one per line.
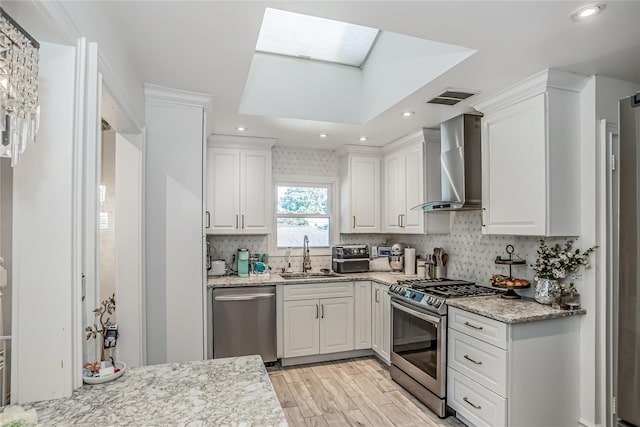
[423, 316]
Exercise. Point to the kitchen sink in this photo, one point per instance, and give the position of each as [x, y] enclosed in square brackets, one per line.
[298, 276]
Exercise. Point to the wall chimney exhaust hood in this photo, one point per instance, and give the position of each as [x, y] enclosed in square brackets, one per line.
[461, 167]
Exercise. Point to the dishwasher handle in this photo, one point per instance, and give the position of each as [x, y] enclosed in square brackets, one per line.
[243, 297]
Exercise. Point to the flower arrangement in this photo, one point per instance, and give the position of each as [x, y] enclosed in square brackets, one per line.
[107, 307]
[556, 262]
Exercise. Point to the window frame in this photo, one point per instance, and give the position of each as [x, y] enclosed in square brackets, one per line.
[331, 183]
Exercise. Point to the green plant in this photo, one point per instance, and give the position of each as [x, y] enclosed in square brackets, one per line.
[557, 262]
[108, 306]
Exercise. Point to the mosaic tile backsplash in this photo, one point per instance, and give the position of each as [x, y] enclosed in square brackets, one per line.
[471, 254]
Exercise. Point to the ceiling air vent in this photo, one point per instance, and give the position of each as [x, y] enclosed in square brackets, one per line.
[451, 97]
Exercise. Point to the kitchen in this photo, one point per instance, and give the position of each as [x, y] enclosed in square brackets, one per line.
[175, 210]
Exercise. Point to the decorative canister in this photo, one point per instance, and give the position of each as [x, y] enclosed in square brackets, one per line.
[546, 291]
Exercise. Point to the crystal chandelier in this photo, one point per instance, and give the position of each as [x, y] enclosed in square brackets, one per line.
[19, 108]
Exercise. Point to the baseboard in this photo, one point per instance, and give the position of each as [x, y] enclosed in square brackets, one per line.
[317, 358]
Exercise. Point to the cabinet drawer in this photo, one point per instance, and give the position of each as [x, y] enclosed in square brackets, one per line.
[483, 328]
[481, 362]
[474, 402]
[318, 291]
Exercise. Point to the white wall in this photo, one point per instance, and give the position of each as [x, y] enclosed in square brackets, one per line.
[65, 22]
[174, 234]
[128, 249]
[6, 249]
[303, 89]
[608, 92]
[108, 235]
[43, 213]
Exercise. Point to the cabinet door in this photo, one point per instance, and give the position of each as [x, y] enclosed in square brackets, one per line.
[336, 325]
[255, 191]
[223, 202]
[413, 220]
[393, 205]
[365, 194]
[386, 324]
[301, 328]
[514, 169]
[362, 329]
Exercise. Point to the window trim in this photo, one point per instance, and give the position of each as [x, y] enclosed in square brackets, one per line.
[305, 180]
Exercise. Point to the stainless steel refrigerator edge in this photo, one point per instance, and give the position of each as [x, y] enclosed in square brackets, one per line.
[628, 393]
[243, 321]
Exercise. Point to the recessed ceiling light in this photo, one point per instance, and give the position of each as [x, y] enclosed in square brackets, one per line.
[408, 114]
[363, 138]
[323, 135]
[241, 128]
[587, 11]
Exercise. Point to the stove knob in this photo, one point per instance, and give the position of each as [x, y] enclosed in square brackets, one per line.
[430, 300]
[413, 295]
[438, 304]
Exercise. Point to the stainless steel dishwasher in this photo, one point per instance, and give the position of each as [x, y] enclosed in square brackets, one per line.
[244, 322]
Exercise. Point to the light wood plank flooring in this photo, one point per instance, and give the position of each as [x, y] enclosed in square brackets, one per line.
[357, 392]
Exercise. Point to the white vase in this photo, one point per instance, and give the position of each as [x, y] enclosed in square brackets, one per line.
[546, 291]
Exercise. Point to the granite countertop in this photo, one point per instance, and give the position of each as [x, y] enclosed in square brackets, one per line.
[275, 279]
[232, 391]
[510, 310]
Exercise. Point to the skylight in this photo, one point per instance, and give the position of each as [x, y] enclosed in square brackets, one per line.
[310, 37]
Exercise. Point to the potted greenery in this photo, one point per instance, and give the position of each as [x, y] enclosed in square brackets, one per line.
[556, 263]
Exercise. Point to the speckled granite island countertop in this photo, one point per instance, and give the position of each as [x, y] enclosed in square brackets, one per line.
[510, 310]
[275, 279]
[234, 391]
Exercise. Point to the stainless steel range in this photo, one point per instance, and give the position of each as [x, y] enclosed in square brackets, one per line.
[419, 335]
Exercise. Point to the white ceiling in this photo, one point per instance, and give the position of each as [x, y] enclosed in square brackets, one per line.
[208, 46]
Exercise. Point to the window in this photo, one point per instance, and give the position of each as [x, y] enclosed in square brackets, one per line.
[303, 209]
[310, 37]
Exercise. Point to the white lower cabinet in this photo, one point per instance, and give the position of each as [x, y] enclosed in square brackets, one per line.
[522, 374]
[302, 328]
[362, 326]
[314, 325]
[381, 321]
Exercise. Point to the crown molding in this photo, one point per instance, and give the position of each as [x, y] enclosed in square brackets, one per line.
[532, 86]
[177, 96]
[235, 141]
[411, 138]
[359, 149]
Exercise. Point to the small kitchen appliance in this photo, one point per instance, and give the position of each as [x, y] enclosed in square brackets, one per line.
[419, 335]
[350, 258]
[243, 262]
[396, 259]
[217, 268]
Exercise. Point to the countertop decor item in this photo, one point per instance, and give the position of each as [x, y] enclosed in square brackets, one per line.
[509, 283]
[106, 329]
[555, 263]
[119, 368]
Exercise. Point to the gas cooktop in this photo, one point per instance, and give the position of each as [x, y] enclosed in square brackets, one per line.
[431, 294]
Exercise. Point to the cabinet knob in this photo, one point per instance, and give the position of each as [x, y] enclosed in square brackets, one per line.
[354, 221]
[482, 218]
[208, 217]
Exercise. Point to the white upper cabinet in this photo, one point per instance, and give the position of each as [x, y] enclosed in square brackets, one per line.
[530, 157]
[238, 185]
[411, 177]
[360, 193]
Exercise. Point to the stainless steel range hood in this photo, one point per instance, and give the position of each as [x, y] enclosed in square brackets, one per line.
[460, 160]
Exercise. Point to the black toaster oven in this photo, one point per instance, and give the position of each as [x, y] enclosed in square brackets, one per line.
[350, 258]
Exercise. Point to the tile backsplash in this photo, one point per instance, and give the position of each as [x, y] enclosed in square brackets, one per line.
[471, 254]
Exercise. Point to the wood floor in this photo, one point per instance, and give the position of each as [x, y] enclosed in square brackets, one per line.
[357, 392]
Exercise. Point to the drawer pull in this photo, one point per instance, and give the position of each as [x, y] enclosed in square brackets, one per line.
[470, 403]
[473, 326]
[471, 360]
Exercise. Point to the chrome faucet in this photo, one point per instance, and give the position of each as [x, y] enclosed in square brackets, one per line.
[306, 258]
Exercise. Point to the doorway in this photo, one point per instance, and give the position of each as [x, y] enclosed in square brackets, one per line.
[119, 228]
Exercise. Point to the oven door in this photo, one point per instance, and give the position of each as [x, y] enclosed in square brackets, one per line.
[419, 345]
